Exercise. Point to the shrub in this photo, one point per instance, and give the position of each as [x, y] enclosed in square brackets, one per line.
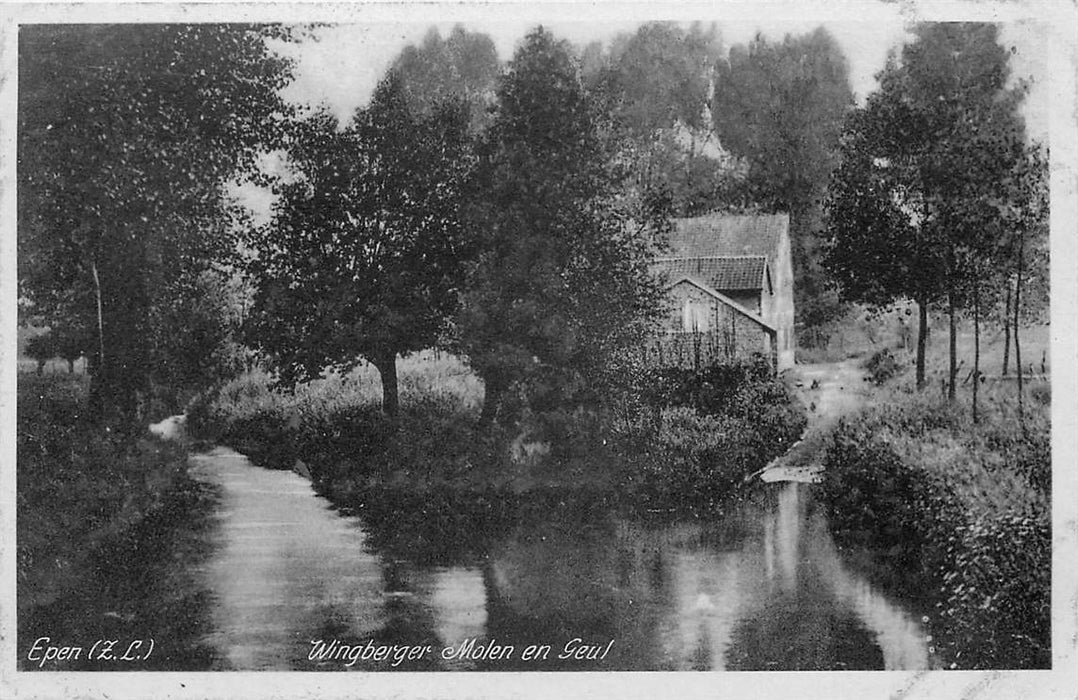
[882, 366]
[79, 482]
[709, 390]
[708, 429]
[960, 510]
[996, 607]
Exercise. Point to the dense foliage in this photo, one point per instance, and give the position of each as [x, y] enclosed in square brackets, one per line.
[128, 136]
[365, 255]
[655, 90]
[959, 514]
[704, 431]
[683, 449]
[781, 106]
[561, 282]
[935, 169]
[78, 486]
[462, 67]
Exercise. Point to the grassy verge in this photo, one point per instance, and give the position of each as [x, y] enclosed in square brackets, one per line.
[957, 513]
[80, 486]
[688, 443]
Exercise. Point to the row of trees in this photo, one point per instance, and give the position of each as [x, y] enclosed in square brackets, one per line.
[411, 227]
[509, 213]
[940, 197]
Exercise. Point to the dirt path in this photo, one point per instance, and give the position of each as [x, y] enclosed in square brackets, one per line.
[829, 392]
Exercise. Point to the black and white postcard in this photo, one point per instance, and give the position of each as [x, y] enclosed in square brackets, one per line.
[538, 350]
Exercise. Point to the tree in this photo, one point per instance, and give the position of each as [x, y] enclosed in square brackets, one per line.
[561, 283]
[364, 256]
[127, 136]
[914, 206]
[781, 107]
[1024, 213]
[463, 67]
[655, 85]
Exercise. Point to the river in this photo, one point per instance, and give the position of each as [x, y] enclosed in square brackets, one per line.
[758, 587]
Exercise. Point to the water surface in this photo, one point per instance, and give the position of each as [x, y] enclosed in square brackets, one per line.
[758, 587]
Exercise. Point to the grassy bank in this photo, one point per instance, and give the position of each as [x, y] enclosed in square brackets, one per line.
[957, 513]
[688, 443]
[81, 486]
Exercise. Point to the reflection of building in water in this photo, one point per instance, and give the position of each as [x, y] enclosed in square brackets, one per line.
[818, 614]
[709, 599]
[782, 538]
[458, 602]
[762, 587]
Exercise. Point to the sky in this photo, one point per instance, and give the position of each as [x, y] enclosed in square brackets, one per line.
[343, 67]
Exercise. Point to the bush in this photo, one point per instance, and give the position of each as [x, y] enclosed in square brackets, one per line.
[882, 366]
[739, 419]
[707, 430]
[996, 606]
[709, 390]
[79, 483]
[960, 511]
[335, 424]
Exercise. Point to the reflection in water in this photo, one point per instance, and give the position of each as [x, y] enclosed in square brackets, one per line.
[287, 568]
[459, 600]
[759, 587]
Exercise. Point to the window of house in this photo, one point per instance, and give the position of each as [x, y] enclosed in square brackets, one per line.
[694, 316]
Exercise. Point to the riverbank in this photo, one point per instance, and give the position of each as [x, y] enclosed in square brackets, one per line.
[108, 525]
[686, 444]
[957, 513]
[80, 485]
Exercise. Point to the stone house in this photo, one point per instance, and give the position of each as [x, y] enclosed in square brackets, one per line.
[730, 286]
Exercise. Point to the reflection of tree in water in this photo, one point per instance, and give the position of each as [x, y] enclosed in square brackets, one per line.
[757, 587]
[434, 527]
[802, 632]
[573, 570]
[807, 618]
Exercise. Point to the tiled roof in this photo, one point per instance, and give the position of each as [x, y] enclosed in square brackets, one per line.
[721, 273]
[716, 235]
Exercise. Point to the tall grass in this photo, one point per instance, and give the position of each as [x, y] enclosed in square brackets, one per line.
[337, 417]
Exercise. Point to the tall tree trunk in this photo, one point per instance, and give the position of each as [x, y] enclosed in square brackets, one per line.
[99, 376]
[952, 346]
[100, 317]
[1007, 330]
[1017, 344]
[386, 364]
[976, 346]
[922, 340]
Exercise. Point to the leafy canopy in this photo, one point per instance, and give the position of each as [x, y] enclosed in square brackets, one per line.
[562, 277]
[364, 255]
[127, 136]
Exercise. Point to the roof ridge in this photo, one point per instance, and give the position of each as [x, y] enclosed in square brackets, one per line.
[739, 256]
[720, 214]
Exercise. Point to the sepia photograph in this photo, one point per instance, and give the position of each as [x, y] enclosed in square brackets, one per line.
[495, 340]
